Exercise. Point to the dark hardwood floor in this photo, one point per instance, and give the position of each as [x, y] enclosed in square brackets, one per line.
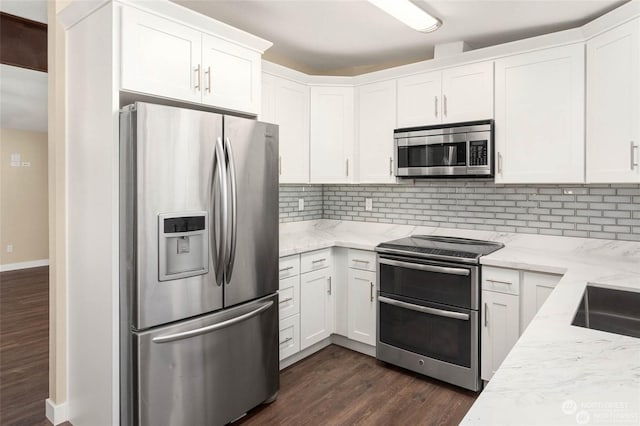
[24, 346]
[337, 386]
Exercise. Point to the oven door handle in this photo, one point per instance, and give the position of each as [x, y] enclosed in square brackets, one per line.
[430, 268]
[424, 309]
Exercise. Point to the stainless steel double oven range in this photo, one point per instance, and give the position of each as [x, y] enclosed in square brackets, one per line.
[428, 301]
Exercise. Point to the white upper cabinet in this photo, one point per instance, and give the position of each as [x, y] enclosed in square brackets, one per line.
[161, 57]
[376, 119]
[419, 99]
[286, 103]
[467, 93]
[230, 75]
[463, 93]
[613, 105]
[539, 120]
[331, 135]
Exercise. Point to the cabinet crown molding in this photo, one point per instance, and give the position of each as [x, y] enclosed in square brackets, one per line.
[78, 10]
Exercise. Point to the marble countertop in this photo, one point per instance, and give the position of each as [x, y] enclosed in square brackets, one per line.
[556, 374]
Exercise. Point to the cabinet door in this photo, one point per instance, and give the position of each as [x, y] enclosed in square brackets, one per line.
[467, 93]
[419, 98]
[289, 336]
[331, 134]
[361, 316]
[160, 57]
[536, 288]
[500, 329]
[316, 307]
[539, 123]
[376, 108]
[230, 75]
[291, 114]
[613, 105]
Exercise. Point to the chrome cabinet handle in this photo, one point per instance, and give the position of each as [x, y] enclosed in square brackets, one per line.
[436, 105]
[500, 163]
[444, 98]
[633, 162]
[499, 282]
[233, 235]
[288, 299]
[366, 262]
[196, 85]
[329, 291]
[280, 165]
[429, 268]
[486, 312]
[213, 327]
[424, 309]
[220, 166]
[371, 291]
[208, 74]
[347, 166]
[286, 269]
[390, 166]
[319, 260]
[288, 339]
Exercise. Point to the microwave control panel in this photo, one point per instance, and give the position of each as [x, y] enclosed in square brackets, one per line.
[478, 151]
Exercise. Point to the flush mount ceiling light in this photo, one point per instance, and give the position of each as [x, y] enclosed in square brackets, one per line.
[409, 14]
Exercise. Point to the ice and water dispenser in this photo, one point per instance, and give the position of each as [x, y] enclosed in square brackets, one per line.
[183, 245]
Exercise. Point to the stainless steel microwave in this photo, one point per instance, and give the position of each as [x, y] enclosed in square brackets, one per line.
[445, 150]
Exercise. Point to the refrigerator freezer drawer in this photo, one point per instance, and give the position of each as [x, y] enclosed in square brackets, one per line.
[209, 370]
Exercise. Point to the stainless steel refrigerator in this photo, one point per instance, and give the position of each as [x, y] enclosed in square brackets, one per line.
[198, 265]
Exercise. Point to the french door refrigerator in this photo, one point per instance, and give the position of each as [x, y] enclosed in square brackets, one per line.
[198, 265]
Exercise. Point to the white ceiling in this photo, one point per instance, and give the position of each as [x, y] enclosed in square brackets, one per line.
[23, 99]
[350, 37]
[23, 92]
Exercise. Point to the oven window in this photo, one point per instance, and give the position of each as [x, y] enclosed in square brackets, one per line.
[442, 338]
[437, 287]
[433, 155]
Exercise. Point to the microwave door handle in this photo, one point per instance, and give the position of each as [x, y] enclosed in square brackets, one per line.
[424, 309]
[219, 165]
[212, 327]
[428, 268]
[233, 231]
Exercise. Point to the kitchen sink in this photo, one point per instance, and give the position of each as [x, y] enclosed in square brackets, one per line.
[605, 309]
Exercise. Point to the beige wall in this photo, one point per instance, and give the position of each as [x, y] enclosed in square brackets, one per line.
[57, 211]
[23, 197]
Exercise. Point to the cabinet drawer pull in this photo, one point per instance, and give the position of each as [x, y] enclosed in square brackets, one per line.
[371, 291]
[366, 262]
[208, 86]
[500, 163]
[499, 282]
[329, 292]
[288, 299]
[286, 269]
[436, 104]
[288, 339]
[444, 98]
[486, 312]
[633, 162]
[347, 163]
[390, 166]
[318, 260]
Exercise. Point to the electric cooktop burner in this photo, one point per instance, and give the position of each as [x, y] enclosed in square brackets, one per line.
[451, 248]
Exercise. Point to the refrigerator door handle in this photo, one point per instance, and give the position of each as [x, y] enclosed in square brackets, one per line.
[212, 327]
[220, 166]
[233, 231]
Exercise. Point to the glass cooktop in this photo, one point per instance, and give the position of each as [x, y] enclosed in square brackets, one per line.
[462, 249]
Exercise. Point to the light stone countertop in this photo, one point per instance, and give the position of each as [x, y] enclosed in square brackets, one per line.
[556, 374]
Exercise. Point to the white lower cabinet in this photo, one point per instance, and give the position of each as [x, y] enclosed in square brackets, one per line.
[500, 329]
[289, 336]
[316, 307]
[510, 300]
[361, 316]
[536, 288]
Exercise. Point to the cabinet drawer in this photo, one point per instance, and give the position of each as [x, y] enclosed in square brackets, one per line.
[289, 297]
[362, 259]
[501, 280]
[289, 266]
[289, 336]
[315, 260]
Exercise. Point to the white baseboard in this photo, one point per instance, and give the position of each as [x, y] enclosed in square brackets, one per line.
[56, 413]
[335, 339]
[345, 342]
[24, 265]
